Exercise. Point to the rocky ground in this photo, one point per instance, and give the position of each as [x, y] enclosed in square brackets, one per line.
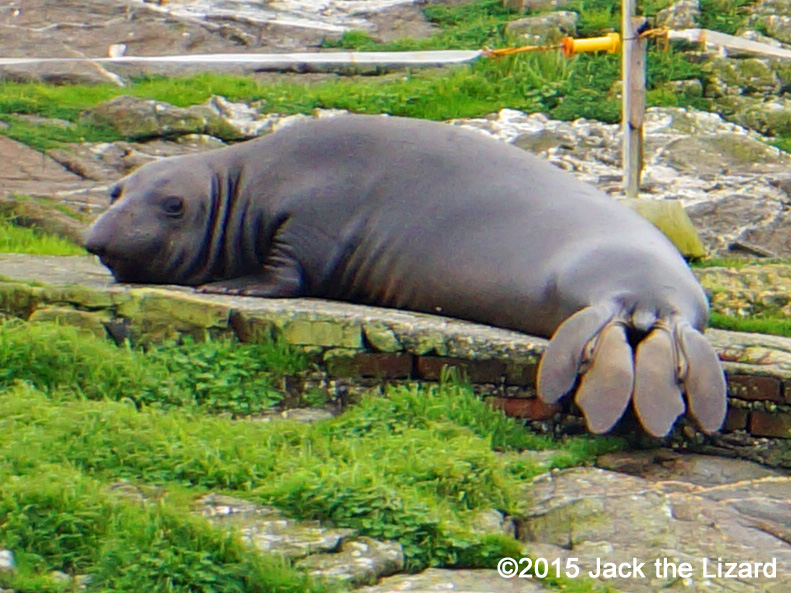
[633, 508]
[89, 28]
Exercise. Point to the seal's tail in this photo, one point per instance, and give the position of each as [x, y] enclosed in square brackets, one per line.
[591, 350]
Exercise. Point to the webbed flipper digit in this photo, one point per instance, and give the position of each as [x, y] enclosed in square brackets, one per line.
[561, 363]
[703, 378]
[606, 386]
[657, 390]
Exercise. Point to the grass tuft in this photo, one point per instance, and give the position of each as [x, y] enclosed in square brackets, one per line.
[60, 519]
[215, 376]
[778, 326]
[17, 239]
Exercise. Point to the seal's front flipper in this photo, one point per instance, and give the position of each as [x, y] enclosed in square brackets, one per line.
[281, 278]
[657, 391]
[606, 386]
[560, 365]
[704, 382]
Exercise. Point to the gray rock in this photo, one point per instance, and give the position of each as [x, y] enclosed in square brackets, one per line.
[7, 563]
[541, 141]
[268, 530]
[772, 17]
[666, 465]
[76, 582]
[246, 119]
[724, 222]
[493, 521]
[728, 76]
[536, 5]
[80, 175]
[136, 492]
[596, 515]
[137, 118]
[542, 29]
[769, 7]
[27, 172]
[326, 553]
[306, 415]
[220, 507]
[50, 217]
[721, 172]
[716, 156]
[359, 561]
[60, 577]
[436, 580]
[45, 121]
[770, 116]
[776, 26]
[680, 15]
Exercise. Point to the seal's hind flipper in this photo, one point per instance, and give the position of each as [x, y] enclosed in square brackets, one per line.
[606, 387]
[704, 382]
[560, 364]
[657, 392]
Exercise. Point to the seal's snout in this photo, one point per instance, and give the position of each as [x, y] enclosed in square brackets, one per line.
[95, 246]
[99, 238]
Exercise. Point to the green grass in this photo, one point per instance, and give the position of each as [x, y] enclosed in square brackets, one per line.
[220, 376]
[44, 136]
[79, 413]
[778, 326]
[381, 483]
[727, 16]
[783, 143]
[736, 262]
[62, 519]
[16, 239]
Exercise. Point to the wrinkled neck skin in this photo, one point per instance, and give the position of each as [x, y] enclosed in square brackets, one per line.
[236, 234]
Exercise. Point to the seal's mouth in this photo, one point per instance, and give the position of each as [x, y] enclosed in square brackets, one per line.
[124, 270]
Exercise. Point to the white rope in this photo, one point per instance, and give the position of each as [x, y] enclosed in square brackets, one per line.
[287, 60]
[728, 42]
[383, 58]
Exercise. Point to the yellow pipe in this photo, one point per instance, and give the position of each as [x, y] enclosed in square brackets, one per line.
[611, 43]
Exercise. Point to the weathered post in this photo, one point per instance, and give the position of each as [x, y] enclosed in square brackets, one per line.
[668, 215]
[633, 64]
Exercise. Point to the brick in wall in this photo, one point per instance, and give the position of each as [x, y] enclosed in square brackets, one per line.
[531, 409]
[755, 388]
[765, 424]
[378, 365]
[429, 368]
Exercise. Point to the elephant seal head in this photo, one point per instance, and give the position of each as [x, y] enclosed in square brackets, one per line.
[159, 227]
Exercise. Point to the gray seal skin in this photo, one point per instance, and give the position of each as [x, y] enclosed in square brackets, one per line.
[429, 217]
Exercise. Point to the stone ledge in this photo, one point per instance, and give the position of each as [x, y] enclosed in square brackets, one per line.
[357, 347]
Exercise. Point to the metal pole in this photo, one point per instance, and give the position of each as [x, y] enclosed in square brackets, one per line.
[633, 63]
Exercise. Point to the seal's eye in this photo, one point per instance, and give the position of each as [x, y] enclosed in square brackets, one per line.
[173, 206]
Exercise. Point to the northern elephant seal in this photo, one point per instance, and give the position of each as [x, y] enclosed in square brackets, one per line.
[430, 217]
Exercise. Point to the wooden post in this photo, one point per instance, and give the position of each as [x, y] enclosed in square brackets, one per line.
[633, 63]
